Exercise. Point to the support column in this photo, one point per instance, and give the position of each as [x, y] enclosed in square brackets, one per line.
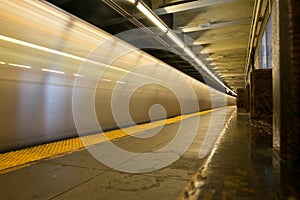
[261, 95]
[242, 100]
[286, 72]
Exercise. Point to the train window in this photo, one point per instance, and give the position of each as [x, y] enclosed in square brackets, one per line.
[259, 56]
[264, 51]
[269, 42]
[265, 47]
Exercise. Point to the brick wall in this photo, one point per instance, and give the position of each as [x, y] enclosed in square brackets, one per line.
[295, 82]
[290, 72]
[286, 74]
[261, 94]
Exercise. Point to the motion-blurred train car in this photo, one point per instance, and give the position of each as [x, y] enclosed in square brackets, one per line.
[54, 67]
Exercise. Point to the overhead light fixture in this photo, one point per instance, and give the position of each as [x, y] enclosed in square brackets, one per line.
[197, 43]
[224, 70]
[175, 39]
[150, 15]
[212, 75]
[203, 52]
[209, 59]
[189, 52]
[2, 63]
[153, 17]
[199, 62]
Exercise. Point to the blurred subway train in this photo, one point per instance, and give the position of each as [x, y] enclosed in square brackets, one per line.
[57, 71]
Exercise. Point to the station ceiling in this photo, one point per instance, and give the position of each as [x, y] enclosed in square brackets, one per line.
[217, 31]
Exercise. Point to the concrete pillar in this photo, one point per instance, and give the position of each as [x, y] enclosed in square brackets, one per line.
[240, 99]
[243, 99]
[286, 72]
[248, 97]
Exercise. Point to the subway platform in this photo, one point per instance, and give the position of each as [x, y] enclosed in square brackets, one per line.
[245, 166]
[240, 165]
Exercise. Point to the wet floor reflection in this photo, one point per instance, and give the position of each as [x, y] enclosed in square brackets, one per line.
[245, 166]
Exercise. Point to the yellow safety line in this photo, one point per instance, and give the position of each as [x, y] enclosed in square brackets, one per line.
[12, 160]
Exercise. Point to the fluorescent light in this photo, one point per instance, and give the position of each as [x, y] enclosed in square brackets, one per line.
[199, 62]
[175, 39]
[18, 65]
[197, 43]
[107, 80]
[213, 64]
[121, 82]
[52, 71]
[78, 75]
[209, 59]
[2, 63]
[189, 52]
[146, 11]
[203, 52]
[212, 75]
[151, 16]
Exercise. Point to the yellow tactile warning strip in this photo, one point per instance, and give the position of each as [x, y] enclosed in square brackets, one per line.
[12, 160]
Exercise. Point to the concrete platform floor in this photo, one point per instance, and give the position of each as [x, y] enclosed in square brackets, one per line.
[81, 176]
[242, 165]
[245, 166]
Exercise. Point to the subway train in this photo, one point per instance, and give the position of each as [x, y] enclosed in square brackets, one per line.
[60, 75]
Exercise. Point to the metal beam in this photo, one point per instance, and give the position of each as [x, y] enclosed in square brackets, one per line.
[213, 40]
[236, 84]
[230, 72]
[189, 6]
[231, 75]
[211, 25]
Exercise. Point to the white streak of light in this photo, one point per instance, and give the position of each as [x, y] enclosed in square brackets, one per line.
[34, 46]
[52, 71]
[78, 75]
[18, 65]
